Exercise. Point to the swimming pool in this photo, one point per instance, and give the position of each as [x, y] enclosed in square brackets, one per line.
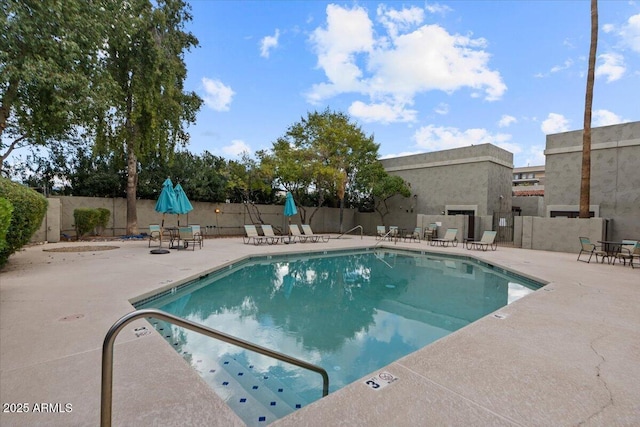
[351, 312]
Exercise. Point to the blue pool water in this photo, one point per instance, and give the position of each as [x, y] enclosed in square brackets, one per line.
[351, 313]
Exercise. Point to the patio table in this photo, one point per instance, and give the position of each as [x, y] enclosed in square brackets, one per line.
[612, 248]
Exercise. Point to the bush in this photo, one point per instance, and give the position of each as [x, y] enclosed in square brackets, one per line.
[5, 220]
[103, 218]
[88, 219]
[29, 208]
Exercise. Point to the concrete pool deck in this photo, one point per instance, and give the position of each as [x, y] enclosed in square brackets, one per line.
[566, 355]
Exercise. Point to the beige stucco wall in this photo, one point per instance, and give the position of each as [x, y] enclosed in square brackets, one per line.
[469, 176]
[615, 181]
[556, 234]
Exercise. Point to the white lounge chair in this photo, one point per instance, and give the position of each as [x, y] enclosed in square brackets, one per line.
[297, 234]
[487, 240]
[267, 230]
[449, 237]
[253, 236]
[306, 229]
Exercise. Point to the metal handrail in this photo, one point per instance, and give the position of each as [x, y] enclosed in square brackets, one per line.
[395, 232]
[109, 339]
[357, 226]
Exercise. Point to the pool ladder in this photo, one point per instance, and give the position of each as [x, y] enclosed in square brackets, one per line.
[109, 339]
[350, 230]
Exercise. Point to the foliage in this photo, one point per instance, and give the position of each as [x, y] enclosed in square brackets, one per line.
[29, 208]
[321, 156]
[6, 208]
[103, 217]
[51, 82]
[88, 219]
[147, 113]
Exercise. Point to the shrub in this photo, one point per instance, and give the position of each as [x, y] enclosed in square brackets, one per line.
[5, 220]
[103, 218]
[85, 219]
[29, 208]
[88, 219]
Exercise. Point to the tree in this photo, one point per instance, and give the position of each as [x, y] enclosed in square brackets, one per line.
[585, 180]
[323, 153]
[51, 82]
[382, 187]
[144, 55]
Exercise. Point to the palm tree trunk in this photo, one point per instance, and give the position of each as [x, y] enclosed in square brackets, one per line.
[585, 181]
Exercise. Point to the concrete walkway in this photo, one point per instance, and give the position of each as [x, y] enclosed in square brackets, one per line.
[566, 355]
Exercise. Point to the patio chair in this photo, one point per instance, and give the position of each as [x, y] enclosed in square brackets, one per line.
[393, 232]
[186, 236]
[592, 249]
[414, 236]
[628, 250]
[297, 234]
[431, 232]
[449, 237]
[197, 234]
[487, 240]
[381, 231]
[253, 236]
[306, 229]
[155, 234]
[267, 230]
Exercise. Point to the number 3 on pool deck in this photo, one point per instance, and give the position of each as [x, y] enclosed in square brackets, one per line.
[372, 384]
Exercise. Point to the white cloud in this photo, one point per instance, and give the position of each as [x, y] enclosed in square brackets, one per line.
[236, 148]
[442, 109]
[630, 33]
[399, 61]
[554, 123]
[567, 64]
[611, 66]
[438, 8]
[534, 156]
[506, 120]
[268, 43]
[606, 118]
[434, 138]
[217, 95]
[381, 112]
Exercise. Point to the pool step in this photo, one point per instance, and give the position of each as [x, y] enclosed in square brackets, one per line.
[257, 400]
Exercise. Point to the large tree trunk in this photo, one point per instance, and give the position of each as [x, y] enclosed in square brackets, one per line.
[132, 181]
[585, 181]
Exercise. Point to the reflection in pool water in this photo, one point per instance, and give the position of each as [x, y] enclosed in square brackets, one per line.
[351, 313]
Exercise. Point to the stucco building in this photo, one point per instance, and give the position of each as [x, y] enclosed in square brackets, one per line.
[615, 177]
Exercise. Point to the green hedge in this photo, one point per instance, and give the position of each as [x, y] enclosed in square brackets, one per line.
[5, 220]
[88, 219]
[29, 208]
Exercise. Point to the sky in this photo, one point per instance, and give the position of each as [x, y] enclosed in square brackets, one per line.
[419, 76]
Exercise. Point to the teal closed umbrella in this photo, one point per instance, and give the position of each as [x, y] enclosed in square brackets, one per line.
[290, 207]
[183, 205]
[167, 202]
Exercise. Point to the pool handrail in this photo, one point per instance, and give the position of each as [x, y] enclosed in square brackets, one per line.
[109, 339]
[350, 230]
[389, 233]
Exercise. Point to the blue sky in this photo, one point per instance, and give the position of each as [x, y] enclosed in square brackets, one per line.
[419, 76]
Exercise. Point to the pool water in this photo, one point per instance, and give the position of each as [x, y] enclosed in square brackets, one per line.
[351, 313]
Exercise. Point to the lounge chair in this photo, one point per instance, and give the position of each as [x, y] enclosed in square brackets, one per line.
[589, 248]
[449, 237]
[297, 234]
[253, 236]
[306, 229]
[155, 234]
[628, 250]
[414, 236]
[267, 230]
[381, 231]
[487, 240]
